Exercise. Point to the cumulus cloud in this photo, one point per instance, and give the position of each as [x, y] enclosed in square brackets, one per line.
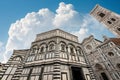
[66, 17]
[1, 44]
[23, 31]
[82, 33]
[2, 49]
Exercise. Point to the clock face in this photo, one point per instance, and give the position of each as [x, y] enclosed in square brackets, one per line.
[89, 47]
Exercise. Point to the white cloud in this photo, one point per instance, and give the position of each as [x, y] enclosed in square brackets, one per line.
[1, 44]
[2, 49]
[66, 17]
[82, 33]
[23, 31]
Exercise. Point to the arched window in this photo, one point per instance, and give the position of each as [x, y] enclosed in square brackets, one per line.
[109, 22]
[98, 67]
[33, 50]
[113, 19]
[101, 14]
[79, 52]
[72, 51]
[51, 47]
[62, 47]
[110, 53]
[42, 49]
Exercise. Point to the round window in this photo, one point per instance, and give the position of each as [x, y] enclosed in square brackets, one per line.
[89, 47]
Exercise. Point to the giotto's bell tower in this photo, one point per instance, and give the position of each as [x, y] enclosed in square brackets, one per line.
[110, 19]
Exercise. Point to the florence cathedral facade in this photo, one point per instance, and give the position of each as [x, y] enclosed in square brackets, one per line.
[58, 55]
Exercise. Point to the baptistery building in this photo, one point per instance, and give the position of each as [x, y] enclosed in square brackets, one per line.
[54, 55]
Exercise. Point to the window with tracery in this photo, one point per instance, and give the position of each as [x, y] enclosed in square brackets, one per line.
[79, 52]
[101, 14]
[42, 49]
[113, 19]
[62, 47]
[72, 51]
[109, 22]
[51, 47]
[98, 67]
[33, 50]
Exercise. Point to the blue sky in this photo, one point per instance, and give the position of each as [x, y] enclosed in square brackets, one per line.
[16, 10]
[10, 11]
